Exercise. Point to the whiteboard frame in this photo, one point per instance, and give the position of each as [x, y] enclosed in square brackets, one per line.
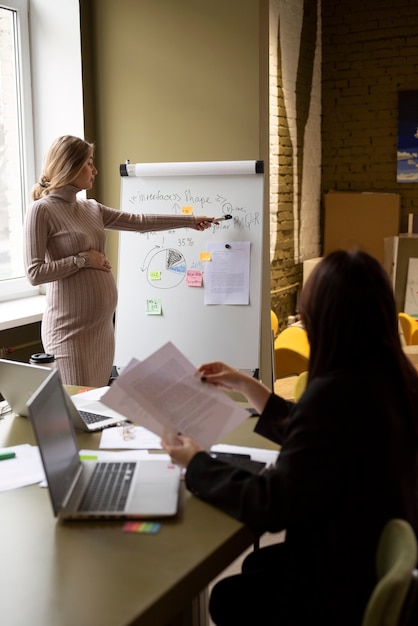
[206, 326]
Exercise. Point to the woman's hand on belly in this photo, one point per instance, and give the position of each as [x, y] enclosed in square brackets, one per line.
[96, 260]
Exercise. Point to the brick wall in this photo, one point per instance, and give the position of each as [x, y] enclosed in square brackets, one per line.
[370, 53]
[295, 151]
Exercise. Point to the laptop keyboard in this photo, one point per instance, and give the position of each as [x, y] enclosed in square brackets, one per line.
[108, 487]
[91, 418]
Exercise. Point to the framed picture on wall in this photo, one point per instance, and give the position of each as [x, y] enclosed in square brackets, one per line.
[407, 161]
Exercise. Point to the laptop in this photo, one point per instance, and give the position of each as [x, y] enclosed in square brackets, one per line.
[144, 488]
[19, 381]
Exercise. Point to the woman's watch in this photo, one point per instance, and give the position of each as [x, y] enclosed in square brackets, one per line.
[79, 260]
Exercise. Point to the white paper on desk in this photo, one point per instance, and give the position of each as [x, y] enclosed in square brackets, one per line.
[164, 393]
[227, 274]
[25, 469]
[143, 439]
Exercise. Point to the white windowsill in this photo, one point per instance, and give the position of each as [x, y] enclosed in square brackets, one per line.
[22, 311]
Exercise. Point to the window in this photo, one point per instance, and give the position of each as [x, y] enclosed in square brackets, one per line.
[16, 145]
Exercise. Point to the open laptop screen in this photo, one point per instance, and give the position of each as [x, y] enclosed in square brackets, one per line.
[56, 437]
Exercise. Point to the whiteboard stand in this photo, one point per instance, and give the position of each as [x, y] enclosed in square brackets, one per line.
[273, 359]
[235, 334]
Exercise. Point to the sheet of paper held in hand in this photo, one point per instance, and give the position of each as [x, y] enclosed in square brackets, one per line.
[164, 393]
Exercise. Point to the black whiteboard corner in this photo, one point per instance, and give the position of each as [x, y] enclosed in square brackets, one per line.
[259, 167]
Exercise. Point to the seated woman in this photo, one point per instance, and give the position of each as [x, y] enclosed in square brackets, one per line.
[348, 460]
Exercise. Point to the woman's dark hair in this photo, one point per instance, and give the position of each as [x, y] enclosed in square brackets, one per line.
[349, 312]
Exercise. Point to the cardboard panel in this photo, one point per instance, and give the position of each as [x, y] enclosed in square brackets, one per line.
[398, 251]
[360, 220]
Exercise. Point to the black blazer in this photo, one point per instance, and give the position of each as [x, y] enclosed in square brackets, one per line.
[347, 464]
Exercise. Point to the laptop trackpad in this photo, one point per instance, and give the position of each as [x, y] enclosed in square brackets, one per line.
[156, 489]
[154, 499]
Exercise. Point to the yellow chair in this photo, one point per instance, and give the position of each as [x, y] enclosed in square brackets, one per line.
[393, 598]
[291, 352]
[300, 385]
[414, 337]
[274, 323]
[409, 328]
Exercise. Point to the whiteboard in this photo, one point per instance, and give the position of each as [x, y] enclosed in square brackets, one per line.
[230, 333]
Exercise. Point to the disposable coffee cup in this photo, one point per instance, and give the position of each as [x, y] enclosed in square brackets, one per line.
[44, 359]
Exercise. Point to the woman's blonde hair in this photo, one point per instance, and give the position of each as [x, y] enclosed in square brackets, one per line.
[63, 162]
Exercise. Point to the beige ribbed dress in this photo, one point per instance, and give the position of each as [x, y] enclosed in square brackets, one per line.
[77, 326]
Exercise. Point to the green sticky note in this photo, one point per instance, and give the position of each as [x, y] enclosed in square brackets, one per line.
[153, 306]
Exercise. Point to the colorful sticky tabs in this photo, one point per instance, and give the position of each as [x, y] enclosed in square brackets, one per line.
[141, 527]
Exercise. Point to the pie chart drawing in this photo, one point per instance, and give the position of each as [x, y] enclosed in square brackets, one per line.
[171, 266]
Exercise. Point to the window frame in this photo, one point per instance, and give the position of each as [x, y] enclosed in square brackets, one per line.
[14, 288]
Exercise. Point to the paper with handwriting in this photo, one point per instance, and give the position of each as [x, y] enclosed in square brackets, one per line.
[165, 394]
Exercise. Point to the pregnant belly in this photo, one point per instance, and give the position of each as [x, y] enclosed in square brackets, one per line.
[90, 296]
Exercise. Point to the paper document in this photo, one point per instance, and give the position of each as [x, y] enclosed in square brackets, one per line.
[164, 393]
[24, 469]
[137, 438]
[227, 274]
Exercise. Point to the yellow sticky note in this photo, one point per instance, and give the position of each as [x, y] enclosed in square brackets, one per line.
[187, 210]
[205, 256]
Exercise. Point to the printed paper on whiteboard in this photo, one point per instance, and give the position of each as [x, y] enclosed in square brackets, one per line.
[227, 274]
[411, 292]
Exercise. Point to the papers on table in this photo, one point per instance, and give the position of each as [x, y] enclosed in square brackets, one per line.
[25, 469]
[137, 437]
[164, 394]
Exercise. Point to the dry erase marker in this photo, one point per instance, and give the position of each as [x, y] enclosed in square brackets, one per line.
[221, 219]
[7, 455]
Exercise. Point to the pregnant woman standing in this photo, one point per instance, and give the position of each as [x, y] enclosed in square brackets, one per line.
[64, 247]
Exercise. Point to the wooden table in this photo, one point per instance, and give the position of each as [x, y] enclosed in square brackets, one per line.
[93, 574]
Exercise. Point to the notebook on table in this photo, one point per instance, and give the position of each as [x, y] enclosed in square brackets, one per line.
[144, 488]
[19, 381]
